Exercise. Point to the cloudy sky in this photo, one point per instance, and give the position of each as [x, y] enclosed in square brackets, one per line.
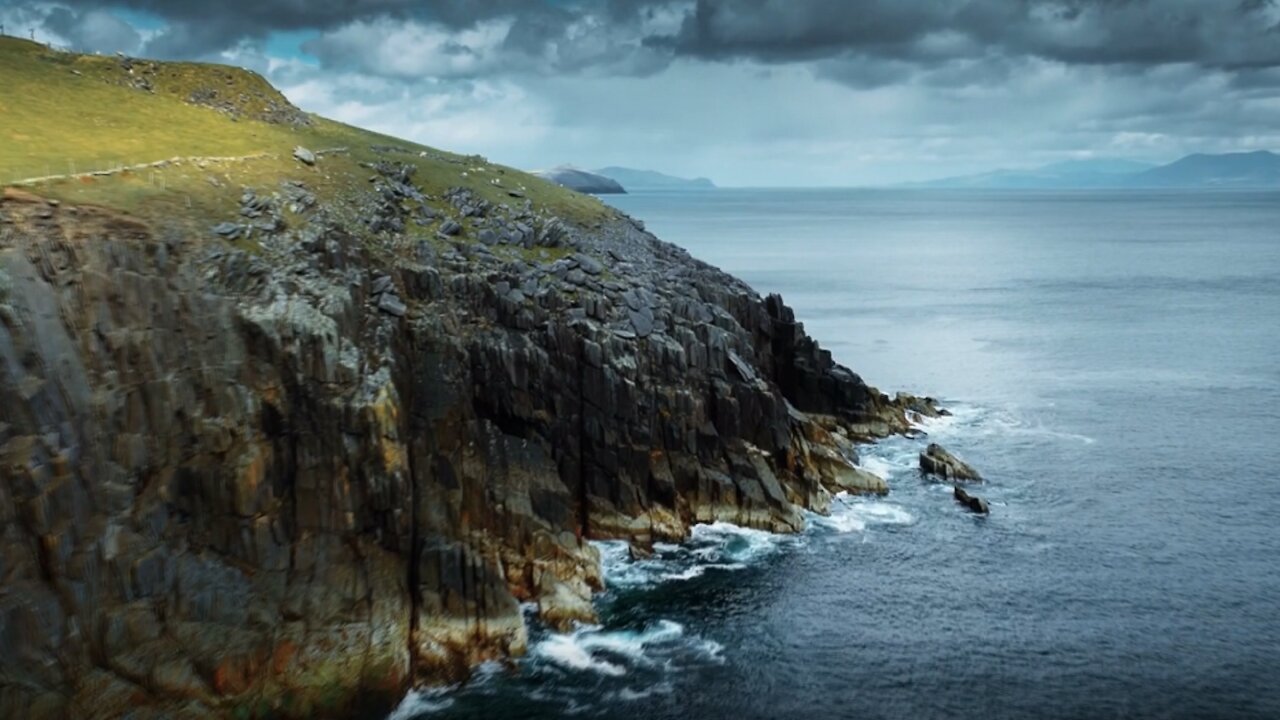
[748, 92]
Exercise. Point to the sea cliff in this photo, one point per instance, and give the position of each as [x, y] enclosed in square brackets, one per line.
[286, 438]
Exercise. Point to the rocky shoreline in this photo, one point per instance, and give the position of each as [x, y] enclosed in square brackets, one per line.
[294, 482]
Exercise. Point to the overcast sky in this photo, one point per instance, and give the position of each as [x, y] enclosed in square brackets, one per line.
[748, 92]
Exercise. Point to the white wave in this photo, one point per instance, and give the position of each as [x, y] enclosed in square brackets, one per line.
[734, 543]
[568, 652]
[615, 653]
[855, 515]
[719, 546]
[879, 466]
[422, 702]
[841, 522]
[696, 571]
[628, 694]
[879, 512]
[973, 420]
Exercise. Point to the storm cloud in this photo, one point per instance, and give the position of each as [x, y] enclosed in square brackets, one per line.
[757, 91]
[1209, 33]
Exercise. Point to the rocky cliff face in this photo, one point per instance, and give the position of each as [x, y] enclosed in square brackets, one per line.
[290, 482]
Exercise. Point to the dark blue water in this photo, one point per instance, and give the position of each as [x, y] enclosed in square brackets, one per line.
[1114, 364]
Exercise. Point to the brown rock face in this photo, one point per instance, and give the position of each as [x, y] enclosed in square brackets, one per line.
[936, 460]
[234, 484]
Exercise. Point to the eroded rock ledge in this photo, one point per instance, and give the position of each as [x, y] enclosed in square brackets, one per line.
[292, 482]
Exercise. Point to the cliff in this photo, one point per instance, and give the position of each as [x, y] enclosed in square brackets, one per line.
[582, 181]
[287, 433]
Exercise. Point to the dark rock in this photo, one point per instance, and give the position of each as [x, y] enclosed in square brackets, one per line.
[392, 305]
[641, 321]
[228, 230]
[382, 284]
[300, 200]
[935, 460]
[973, 503]
[634, 300]
[450, 227]
[589, 265]
[230, 481]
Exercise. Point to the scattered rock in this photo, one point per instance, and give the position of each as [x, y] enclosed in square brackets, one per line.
[228, 230]
[973, 503]
[589, 265]
[642, 321]
[450, 227]
[392, 305]
[935, 460]
[300, 198]
[383, 284]
[304, 156]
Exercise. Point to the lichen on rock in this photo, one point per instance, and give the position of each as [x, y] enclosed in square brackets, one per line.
[233, 480]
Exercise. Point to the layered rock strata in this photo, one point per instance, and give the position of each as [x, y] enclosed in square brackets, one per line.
[290, 481]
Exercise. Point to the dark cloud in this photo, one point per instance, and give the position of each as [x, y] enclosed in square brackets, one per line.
[785, 91]
[1210, 33]
[199, 28]
[618, 35]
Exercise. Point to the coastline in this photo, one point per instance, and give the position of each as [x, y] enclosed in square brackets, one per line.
[444, 462]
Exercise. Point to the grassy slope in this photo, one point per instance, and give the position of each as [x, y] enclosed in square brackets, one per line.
[55, 121]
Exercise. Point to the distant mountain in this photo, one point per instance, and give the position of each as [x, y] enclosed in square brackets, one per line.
[649, 180]
[581, 180]
[1097, 173]
[1234, 170]
[1259, 169]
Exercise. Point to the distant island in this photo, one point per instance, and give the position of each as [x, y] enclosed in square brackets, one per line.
[633, 179]
[581, 180]
[1259, 169]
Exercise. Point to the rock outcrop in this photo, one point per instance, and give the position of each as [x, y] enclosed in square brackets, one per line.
[973, 503]
[293, 480]
[936, 460]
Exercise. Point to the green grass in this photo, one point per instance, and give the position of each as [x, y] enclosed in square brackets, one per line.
[54, 121]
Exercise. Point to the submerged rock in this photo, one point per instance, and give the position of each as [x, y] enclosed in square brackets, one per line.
[972, 502]
[935, 460]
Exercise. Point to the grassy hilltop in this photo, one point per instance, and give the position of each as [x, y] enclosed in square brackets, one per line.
[64, 114]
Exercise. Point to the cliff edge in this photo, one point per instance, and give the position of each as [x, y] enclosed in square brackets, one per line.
[286, 431]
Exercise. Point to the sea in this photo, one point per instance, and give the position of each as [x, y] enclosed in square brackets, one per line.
[1112, 362]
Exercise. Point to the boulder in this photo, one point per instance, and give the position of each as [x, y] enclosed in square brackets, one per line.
[935, 460]
[589, 265]
[304, 156]
[450, 227]
[228, 230]
[973, 503]
[392, 305]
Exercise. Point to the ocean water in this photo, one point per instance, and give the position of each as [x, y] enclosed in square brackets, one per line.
[1113, 362]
